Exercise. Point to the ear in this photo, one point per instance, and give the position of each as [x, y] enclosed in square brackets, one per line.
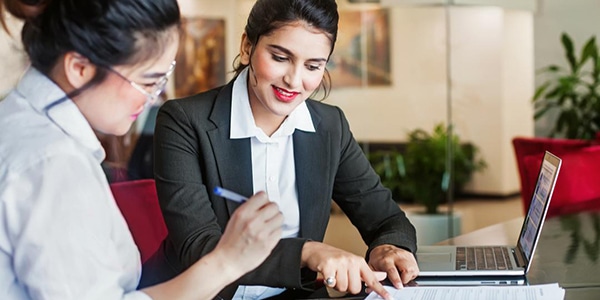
[245, 50]
[78, 69]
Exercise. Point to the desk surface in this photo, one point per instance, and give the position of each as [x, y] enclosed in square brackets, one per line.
[505, 233]
[568, 252]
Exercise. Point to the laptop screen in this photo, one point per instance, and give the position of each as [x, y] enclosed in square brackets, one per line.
[539, 202]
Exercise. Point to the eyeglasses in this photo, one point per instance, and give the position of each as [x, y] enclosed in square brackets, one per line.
[152, 91]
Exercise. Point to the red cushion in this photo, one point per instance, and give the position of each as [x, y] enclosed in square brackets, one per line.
[525, 146]
[138, 203]
[578, 184]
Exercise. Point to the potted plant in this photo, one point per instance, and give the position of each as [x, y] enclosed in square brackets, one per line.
[430, 176]
[417, 172]
[421, 173]
[427, 177]
[572, 93]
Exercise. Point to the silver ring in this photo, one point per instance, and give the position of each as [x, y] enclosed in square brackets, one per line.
[330, 281]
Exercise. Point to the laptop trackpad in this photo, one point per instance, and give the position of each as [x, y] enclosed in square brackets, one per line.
[436, 258]
[428, 258]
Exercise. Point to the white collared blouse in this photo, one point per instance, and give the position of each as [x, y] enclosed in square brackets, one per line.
[62, 235]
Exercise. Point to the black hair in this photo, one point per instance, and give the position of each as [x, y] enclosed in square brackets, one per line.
[107, 32]
[269, 15]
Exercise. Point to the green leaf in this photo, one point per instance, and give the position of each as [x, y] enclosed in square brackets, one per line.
[557, 91]
[445, 181]
[401, 166]
[549, 69]
[569, 51]
[541, 112]
[541, 89]
[590, 50]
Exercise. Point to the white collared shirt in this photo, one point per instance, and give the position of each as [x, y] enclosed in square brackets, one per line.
[273, 166]
[62, 235]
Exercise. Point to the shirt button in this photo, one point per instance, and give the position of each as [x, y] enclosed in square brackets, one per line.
[272, 178]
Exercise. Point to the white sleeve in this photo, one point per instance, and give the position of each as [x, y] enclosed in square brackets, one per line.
[66, 235]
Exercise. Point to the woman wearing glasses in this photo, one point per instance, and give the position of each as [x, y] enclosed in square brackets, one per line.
[95, 65]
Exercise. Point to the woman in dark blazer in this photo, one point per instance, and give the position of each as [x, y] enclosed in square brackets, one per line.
[261, 132]
[95, 65]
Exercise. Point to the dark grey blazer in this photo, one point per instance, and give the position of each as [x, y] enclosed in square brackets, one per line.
[193, 154]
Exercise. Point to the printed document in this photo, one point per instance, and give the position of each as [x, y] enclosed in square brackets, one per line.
[525, 292]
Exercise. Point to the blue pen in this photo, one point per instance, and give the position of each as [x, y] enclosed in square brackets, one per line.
[219, 191]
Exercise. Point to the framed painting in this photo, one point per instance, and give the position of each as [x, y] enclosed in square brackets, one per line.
[201, 56]
[362, 53]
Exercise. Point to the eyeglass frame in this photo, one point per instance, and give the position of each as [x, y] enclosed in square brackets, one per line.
[157, 87]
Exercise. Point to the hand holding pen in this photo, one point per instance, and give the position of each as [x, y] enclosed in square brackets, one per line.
[252, 232]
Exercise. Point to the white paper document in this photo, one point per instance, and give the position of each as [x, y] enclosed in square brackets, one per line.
[527, 292]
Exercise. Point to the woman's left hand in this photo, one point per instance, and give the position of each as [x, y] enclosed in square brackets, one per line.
[399, 264]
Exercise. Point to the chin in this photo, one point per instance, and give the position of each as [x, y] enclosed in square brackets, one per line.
[284, 109]
[120, 130]
[119, 133]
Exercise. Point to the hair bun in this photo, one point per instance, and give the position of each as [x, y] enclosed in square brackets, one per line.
[25, 9]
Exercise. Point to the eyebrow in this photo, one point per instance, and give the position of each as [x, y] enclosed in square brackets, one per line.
[289, 53]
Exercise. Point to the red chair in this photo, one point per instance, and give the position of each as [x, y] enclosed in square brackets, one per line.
[577, 187]
[138, 203]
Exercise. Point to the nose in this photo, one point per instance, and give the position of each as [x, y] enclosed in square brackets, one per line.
[293, 77]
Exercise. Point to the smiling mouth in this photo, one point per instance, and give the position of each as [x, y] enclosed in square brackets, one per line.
[284, 95]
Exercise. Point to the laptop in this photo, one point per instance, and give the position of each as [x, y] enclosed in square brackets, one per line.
[492, 263]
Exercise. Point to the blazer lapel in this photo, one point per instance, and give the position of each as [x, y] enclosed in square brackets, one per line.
[311, 156]
[233, 156]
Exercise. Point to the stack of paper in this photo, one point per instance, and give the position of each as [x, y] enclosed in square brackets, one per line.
[529, 292]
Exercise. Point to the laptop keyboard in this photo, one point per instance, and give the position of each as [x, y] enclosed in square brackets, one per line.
[482, 258]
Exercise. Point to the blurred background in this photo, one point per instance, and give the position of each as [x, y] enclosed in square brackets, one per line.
[435, 91]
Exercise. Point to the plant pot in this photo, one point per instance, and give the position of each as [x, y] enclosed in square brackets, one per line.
[433, 228]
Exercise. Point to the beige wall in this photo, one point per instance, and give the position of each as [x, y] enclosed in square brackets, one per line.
[518, 76]
[417, 97]
[492, 83]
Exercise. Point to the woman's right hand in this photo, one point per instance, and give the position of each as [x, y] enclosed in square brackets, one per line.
[347, 270]
[252, 232]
